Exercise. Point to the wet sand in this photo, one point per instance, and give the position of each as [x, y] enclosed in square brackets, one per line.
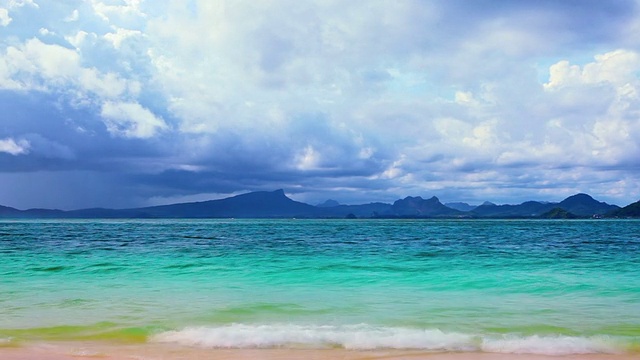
[75, 351]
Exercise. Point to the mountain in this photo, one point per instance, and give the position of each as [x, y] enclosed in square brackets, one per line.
[585, 205]
[419, 207]
[581, 205]
[365, 210]
[460, 206]
[329, 203]
[526, 209]
[6, 211]
[407, 207]
[629, 211]
[100, 213]
[42, 213]
[558, 213]
[275, 204]
[260, 204]
[332, 208]
[9, 212]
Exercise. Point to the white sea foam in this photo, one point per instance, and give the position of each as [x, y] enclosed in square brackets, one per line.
[366, 337]
[349, 337]
[553, 345]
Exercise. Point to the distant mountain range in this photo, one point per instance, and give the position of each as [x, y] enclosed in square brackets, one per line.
[275, 204]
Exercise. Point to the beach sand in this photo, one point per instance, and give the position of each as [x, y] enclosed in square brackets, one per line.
[75, 351]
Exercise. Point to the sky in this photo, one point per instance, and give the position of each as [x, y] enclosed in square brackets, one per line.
[127, 103]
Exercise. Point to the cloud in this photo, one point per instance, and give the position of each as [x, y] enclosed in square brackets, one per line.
[13, 147]
[35, 65]
[43, 147]
[21, 3]
[107, 12]
[613, 130]
[74, 16]
[618, 68]
[116, 38]
[308, 159]
[5, 20]
[473, 100]
[131, 120]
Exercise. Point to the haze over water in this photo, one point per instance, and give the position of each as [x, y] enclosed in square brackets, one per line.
[506, 286]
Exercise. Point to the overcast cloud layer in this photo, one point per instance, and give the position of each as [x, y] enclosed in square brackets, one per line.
[132, 102]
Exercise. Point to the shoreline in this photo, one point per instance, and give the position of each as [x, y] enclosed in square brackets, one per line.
[109, 351]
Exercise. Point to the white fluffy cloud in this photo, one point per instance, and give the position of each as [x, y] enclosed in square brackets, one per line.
[608, 136]
[109, 9]
[35, 65]
[6, 6]
[120, 35]
[13, 147]
[131, 120]
[4, 17]
[618, 68]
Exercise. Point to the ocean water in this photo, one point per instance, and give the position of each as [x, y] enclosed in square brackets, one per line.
[507, 286]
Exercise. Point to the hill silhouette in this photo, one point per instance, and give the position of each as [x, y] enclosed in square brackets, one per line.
[275, 204]
[260, 204]
[558, 213]
[585, 205]
[579, 205]
[629, 211]
[419, 207]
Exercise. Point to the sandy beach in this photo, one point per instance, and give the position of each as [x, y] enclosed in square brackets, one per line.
[74, 351]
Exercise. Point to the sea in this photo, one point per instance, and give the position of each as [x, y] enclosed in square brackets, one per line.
[553, 287]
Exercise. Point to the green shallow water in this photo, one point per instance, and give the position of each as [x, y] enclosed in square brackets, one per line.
[338, 281]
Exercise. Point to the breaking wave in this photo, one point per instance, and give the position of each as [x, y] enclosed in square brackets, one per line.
[366, 337]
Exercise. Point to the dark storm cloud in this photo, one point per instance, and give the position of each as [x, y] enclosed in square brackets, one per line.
[65, 138]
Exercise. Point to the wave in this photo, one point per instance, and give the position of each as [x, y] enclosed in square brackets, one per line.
[367, 337]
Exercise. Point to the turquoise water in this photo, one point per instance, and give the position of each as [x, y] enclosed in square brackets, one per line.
[516, 286]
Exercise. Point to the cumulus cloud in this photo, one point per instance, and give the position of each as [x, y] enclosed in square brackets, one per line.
[131, 120]
[609, 135]
[107, 11]
[74, 16]
[21, 3]
[4, 17]
[618, 68]
[13, 147]
[35, 65]
[120, 35]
